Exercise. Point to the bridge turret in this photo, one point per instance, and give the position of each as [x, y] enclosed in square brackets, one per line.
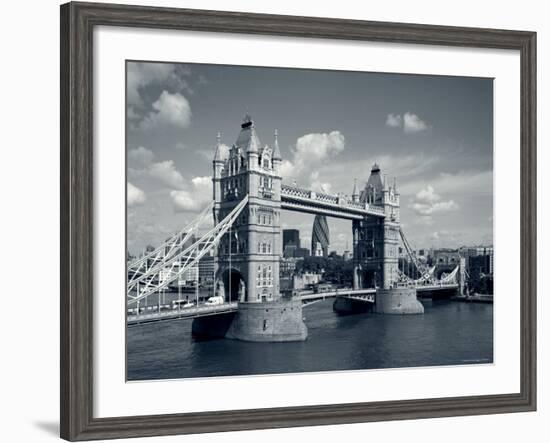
[355, 192]
[373, 192]
[248, 142]
[218, 161]
[277, 158]
[218, 169]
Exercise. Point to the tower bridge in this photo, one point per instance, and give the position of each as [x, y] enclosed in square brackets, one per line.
[248, 197]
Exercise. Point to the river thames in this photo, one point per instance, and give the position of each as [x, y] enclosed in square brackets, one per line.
[449, 333]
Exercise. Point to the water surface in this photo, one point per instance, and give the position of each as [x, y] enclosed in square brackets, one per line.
[449, 333]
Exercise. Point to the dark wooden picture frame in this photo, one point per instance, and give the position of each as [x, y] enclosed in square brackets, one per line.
[77, 24]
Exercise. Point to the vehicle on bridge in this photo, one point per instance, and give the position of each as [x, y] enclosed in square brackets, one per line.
[322, 287]
[216, 300]
[183, 304]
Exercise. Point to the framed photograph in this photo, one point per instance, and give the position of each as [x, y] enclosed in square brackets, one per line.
[272, 221]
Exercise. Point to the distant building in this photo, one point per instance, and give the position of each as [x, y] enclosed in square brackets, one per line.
[292, 245]
[446, 257]
[301, 252]
[479, 266]
[348, 255]
[289, 250]
[320, 237]
[206, 270]
[317, 250]
[305, 280]
[291, 237]
[470, 252]
[287, 266]
[190, 276]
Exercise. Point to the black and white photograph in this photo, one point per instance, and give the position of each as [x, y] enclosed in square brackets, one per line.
[264, 222]
[284, 220]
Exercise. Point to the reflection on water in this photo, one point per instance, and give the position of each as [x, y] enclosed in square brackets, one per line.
[449, 333]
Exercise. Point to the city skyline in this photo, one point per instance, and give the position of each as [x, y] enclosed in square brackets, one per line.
[433, 133]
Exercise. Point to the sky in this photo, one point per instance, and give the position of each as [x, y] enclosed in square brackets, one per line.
[434, 134]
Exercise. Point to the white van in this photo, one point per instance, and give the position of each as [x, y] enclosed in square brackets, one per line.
[217, 300]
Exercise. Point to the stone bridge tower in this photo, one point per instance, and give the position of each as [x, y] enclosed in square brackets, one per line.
[251, 274]
[248, 256]
[375, 239]
[375, 247]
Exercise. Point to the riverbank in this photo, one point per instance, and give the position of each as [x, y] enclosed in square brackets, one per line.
[476, 298]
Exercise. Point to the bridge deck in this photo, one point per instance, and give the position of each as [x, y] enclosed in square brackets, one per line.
[364, 295]
[437, 286]
[200, 311]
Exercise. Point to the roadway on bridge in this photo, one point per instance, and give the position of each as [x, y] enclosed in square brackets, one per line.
[181, 313]
[307, 298]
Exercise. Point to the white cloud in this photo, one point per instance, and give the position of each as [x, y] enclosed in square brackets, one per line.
[436, 235]
[446, 238]
[310, 151]
[140, 75]
[317, 185]
[410, 122]
[167, 173]
[169, 109]
[394, 120]
[427, 202]
[413, 123]
[141, 156]
[194, 198]
[134, 196]
[464, 182]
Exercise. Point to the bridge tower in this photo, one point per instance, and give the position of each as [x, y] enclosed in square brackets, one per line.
[375, 238]
[251, 271]
[248, 256]
[376, 241]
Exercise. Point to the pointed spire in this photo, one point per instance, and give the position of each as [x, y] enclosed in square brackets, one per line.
[218, 154]
[276, 149]
[248, 139]
[355, 192]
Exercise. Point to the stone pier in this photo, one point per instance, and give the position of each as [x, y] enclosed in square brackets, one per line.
[397, 301]
[276, 321]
